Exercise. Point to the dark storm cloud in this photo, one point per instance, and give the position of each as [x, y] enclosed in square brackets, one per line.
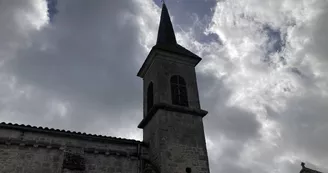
[88, 57]
[52, 9]
[85, 57]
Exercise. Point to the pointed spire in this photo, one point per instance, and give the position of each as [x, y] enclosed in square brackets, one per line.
[165, 32]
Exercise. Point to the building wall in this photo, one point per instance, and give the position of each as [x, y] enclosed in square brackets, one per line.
[177, 141]
[160, 71]
[31, 152]
[20, 159]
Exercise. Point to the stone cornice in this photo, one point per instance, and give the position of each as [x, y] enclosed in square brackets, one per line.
[171, 51]
[170, 107]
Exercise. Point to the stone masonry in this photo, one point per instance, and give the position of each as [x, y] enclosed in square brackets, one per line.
[25, 149]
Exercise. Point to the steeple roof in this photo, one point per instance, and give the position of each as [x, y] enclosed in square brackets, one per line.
[165, 32]
[166, 38]
[166, 42]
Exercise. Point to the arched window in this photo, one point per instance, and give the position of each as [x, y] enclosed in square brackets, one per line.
[150, 96]
[179, 91]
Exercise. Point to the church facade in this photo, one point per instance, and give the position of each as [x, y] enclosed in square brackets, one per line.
[173, 131]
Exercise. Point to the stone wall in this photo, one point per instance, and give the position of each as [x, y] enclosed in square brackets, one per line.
[28, 151]
[162, 68]
[175, 134]
[176, 142]
[21, 159]
[185, 146]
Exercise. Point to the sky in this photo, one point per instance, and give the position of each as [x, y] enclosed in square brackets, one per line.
[263, 78]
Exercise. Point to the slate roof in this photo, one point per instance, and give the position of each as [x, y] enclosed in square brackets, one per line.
[67, 133]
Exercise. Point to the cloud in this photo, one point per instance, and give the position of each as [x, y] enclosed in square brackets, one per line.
[271, 67]
[78, 71]
[19, 19]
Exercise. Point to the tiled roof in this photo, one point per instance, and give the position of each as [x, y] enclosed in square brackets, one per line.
[67, 133]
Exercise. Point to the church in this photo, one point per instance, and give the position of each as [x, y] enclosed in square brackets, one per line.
[172, 124]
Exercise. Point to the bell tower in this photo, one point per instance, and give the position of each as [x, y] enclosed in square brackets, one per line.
[172, 119]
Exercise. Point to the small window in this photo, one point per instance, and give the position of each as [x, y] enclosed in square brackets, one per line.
[179, 91]
[73, 161]
[150, 96]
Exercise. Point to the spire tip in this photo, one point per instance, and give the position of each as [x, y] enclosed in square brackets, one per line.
[165, 32]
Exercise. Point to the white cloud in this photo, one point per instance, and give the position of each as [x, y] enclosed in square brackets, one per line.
[273, 90]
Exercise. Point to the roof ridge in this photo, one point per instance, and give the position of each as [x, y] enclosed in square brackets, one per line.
[63, 131]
